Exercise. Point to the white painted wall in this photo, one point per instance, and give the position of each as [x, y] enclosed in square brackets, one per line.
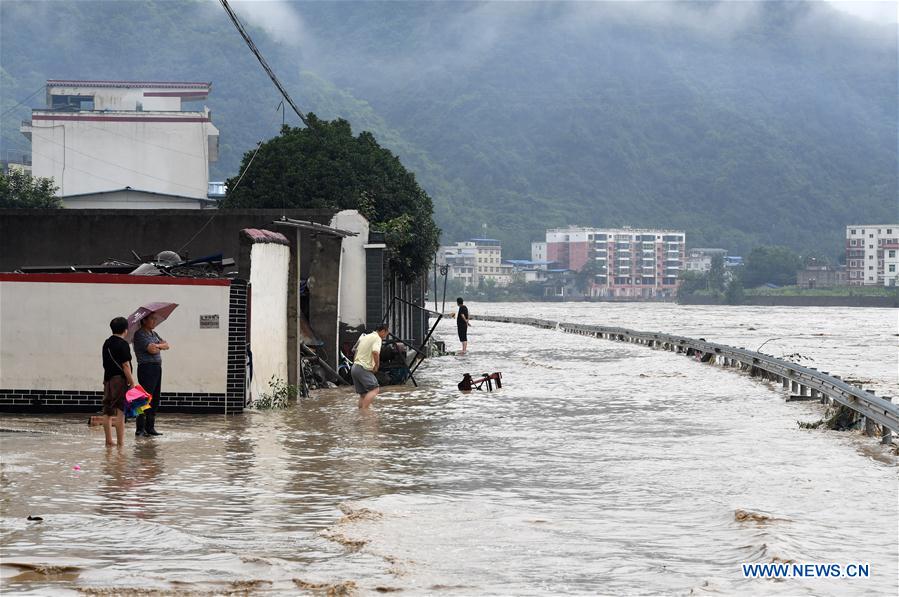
[352, 267]
[51, 334]
[269, 264]
[91, 156]
[126, 199]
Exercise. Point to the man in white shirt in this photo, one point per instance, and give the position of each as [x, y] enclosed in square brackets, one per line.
[365, 365]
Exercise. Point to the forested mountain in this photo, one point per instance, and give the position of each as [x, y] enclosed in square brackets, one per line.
[741, 123]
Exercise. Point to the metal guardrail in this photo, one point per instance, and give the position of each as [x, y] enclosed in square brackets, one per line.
[795, 377]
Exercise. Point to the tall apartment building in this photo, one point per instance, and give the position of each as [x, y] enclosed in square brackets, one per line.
[872, 255]
[638, 263]
[475, 261]
[98, 137]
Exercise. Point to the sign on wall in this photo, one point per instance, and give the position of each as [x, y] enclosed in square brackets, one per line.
[209, 322]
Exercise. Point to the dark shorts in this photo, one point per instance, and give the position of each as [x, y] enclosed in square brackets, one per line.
[114, 395]
[363, 380]
[463, 333]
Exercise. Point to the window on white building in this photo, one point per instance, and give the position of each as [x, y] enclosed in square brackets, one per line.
[892, 253]
[892, 267]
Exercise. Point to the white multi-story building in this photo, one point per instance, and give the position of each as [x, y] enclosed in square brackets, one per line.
[538, 253]
[461, 261]
[475, 261]
[103, 136]
[872, 255]
[700, 259]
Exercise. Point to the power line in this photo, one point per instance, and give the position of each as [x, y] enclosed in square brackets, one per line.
[36, 91]
[236, 184]
[262, 61]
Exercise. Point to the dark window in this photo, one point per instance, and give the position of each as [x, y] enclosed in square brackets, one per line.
[71, 103]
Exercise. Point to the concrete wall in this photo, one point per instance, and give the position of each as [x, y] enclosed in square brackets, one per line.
[268, 314]
[87, 152]
[52, 328]
[352, 268]
[71, 236]
[323, 283]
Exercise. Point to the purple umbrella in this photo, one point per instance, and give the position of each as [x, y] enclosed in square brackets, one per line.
[160, 310]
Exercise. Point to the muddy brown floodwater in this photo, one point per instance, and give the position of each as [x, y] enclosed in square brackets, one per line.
[599, 468]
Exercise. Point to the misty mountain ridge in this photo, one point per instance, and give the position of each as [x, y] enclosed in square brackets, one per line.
[741, 123]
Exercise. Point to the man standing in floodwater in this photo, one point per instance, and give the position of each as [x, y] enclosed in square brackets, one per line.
[365, 365]
[117, 379]
[462, 324]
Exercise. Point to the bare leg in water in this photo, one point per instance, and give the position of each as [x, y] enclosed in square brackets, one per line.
[366, 398]
[118, 421]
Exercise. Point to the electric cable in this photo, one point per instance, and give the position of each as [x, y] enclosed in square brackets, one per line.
[262, 60]
[8, 110]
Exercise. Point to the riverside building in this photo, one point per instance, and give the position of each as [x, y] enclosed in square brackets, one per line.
[119, 143]
[628, 262]
[475, 261]
[872, 254]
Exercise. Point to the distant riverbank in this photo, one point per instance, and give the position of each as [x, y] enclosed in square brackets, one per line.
[766, 300]
[792, 296]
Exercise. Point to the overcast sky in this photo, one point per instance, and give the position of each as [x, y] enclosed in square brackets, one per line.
[880, 11]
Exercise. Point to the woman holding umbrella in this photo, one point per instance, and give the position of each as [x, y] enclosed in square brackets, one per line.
[148, 347]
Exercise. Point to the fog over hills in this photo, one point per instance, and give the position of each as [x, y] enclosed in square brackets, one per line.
[742, 123]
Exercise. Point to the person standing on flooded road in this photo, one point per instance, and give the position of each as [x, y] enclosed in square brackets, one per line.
[462, 324]
[365, 365]
[147, 348]
[117, 379]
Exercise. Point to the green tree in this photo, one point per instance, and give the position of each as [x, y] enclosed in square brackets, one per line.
[325, 166]
[21, 190]
[734, 293]
[771, 264]
[716, 274]
[691, 281]
[587, 275]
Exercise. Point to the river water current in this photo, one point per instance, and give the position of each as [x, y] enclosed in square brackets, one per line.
[599, 468]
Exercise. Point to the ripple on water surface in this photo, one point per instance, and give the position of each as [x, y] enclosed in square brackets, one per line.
[598, 468]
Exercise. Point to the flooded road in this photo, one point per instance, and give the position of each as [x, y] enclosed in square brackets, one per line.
[599, 468]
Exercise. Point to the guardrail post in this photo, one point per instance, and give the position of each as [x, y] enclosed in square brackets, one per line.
[887, 437]
[870, 426]
[785, 382]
